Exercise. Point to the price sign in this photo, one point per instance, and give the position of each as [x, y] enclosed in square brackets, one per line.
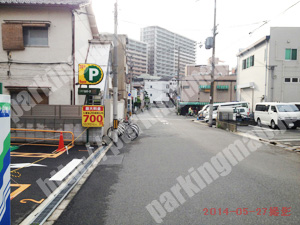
[92, 116]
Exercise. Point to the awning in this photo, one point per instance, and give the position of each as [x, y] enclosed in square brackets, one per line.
[193, 103]
[222, 87]
[204, 86]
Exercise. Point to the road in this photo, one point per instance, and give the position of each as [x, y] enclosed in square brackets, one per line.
[160, 162]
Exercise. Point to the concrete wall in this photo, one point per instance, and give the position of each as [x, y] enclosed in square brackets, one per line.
[190, 91]
[282, 38]
[58, 51]
[157, 90]
[255, 74]
[268, 83]
[56, 72]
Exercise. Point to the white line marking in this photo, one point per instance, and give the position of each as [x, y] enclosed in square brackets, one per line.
[60, 175]
[24, 165]
[287, 140]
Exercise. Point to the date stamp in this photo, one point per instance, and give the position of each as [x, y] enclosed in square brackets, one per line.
[271, 211]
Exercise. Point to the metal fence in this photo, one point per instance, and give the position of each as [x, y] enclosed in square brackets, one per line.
[47, 111]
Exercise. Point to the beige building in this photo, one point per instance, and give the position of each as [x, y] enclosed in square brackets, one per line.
[194, 70]
[269, 69]
[195, 90]
[41, 46]
[137, 57]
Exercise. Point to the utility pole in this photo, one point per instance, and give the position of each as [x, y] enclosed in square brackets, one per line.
[178, 73]
[212, 81]
[115, 79]
[131, 73]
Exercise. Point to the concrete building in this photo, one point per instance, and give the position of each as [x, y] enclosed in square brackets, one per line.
[164, 50]
[158, 91]
[137, 57]
[194, 70]
[195, 90]
[41, 46]
[269, 69]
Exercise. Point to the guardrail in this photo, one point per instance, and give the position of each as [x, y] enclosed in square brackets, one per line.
[37, 139]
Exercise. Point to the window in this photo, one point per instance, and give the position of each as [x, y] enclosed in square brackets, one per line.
[18, 34]
[290, 54]
[294, 80]
[287, 80]
[244, 64]
[35, 36]
[150, 86]
[249, 62]
[273, 108]
[150, 95]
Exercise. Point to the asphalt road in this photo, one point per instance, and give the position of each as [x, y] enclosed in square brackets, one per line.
[170, 145]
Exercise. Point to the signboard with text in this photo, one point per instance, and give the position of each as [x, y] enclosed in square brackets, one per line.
[92, 116]
[90, 74]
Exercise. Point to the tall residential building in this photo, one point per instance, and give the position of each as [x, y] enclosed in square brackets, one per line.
[164, 47]
[137, 53]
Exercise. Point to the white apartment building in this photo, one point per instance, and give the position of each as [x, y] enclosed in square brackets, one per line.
[158, 91]
[165, 48]
[269, 69]
[137, 57]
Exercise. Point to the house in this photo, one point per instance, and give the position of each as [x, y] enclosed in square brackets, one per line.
[269, 69]
[42, 43]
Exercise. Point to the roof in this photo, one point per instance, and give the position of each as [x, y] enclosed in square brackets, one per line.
[262, 40]
[45, 2]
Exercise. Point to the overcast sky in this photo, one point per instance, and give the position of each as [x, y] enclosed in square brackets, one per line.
[194, 19]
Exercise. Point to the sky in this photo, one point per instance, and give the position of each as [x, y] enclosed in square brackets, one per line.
[194, 19]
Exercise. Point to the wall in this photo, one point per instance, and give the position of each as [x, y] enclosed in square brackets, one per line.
[255, 74]
[190, 91]
[282, 38]
[159, 90]
[57, 53]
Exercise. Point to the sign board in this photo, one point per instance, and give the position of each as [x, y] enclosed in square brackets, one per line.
[93, 116]
[129, 94]
[90, 74]
[5, 112]
[88, 91]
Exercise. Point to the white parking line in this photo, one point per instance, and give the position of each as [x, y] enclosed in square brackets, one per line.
[287, 140]
[60, 175]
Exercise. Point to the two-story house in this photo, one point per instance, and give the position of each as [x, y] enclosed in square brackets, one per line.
[269, 69]
[41, 44]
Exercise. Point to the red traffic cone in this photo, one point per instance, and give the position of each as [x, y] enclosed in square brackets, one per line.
[61, 145]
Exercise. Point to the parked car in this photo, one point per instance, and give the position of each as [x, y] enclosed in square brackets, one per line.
[277, 115]
[297, 104]
[202, 112]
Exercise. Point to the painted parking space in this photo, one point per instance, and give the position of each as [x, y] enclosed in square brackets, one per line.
[30, 176]
[286, 137]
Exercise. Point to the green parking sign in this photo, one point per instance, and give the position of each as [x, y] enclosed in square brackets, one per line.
[90, 74]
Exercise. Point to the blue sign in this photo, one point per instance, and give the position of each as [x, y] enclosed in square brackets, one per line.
[4, 110]
[129, 94]
[5, 160]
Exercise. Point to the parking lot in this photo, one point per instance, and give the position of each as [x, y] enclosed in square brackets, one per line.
[290, 138]
[31, 169]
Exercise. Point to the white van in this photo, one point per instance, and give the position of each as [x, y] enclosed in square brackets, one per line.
[245, 105]
[277, 115]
